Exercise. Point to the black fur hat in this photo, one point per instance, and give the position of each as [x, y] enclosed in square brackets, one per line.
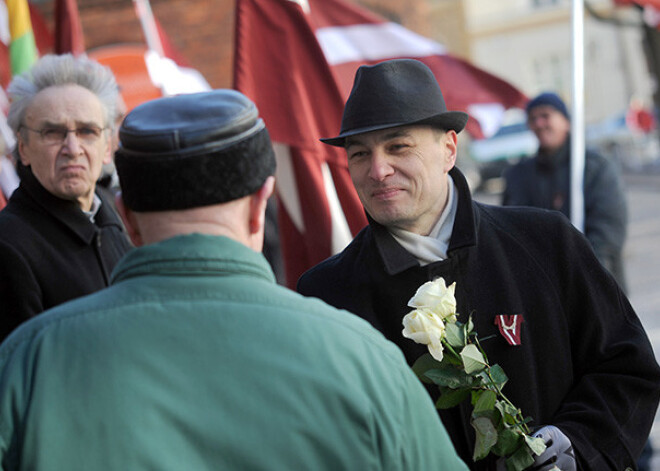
[192, 150]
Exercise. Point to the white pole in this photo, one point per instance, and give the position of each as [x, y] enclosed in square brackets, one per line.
[577, 117]
[146, 17]
[155, 53]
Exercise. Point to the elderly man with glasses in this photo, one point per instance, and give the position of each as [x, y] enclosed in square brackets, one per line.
[59, 239]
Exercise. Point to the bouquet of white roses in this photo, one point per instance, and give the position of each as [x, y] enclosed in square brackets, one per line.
[458, 365]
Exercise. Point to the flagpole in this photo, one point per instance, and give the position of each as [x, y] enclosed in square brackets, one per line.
[154, 44]
[577, 121]
[146, 17]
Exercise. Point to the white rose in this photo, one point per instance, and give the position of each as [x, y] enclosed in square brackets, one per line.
[437, 297]
[424, 327]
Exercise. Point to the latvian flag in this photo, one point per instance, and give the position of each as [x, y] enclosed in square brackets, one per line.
[296, 60]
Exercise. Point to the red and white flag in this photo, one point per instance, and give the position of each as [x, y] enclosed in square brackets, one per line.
[281, 67]
[351, 36]
[68, 28]
[296, 60]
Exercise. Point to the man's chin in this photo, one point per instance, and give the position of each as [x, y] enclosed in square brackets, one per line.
[75, 192]
[385, 218]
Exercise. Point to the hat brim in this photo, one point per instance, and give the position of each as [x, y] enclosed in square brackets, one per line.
[454, 120]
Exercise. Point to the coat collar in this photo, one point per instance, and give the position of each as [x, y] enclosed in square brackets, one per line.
[396, 259]
[67, 212]
[549, 162]
[191, 255]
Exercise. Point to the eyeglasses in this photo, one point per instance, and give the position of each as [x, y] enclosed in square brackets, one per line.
[57, 134]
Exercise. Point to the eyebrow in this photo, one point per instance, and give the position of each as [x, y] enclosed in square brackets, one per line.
[78, 124]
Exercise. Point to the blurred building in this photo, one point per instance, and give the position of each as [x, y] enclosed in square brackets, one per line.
[526, 42]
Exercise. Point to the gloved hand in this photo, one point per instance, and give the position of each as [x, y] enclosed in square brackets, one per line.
[557, 455]
[559, 451]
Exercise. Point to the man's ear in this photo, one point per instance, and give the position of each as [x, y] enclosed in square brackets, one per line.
[19, 147]
[132, 227]
[107, 158]
[258, 203]
[451, 145]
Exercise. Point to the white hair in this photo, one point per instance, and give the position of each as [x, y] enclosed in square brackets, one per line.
[53, 70]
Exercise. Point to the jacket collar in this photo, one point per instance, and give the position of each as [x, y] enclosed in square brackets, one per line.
[193, 254]
[396, 259]
[550, 161]
[68, 212]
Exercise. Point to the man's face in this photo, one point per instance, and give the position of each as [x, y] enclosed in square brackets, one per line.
[550, 126]
[400, 174]
[69, 168]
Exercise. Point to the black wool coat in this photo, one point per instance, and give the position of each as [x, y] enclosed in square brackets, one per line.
[50, 252]
[584, 364]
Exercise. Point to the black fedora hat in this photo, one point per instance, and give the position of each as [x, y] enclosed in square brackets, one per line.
[393, 93]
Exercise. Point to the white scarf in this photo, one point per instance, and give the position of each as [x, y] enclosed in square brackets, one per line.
[431, 248]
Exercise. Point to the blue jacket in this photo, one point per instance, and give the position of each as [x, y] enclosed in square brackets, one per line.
[544, 182]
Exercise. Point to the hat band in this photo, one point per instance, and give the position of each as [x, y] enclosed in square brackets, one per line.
[174, 181]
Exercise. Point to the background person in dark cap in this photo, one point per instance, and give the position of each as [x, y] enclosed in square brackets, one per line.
[195, 358]
[578, 360]
[543, 181]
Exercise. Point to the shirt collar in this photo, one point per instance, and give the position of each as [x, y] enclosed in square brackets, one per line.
[96, 204]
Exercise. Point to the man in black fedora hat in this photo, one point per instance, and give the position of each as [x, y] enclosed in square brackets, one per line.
[578, 360]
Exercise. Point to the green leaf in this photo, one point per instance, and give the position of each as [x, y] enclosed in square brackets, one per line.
[455, 335]
[450, 359]
[535, 444]
[423, 364]
[449, 376]
[473, 360]
[485, 401]
[486, 437]
[520, 460]
[509, 412]
[452, 398]
[508, 441]
[499, 376]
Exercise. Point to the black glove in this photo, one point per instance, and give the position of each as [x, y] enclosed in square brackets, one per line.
[559, 451]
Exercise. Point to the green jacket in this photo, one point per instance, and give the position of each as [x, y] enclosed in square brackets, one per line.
[195, 359]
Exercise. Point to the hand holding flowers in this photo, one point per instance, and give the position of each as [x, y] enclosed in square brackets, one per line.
[458, 365]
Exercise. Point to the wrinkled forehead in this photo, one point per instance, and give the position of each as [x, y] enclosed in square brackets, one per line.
[65, 104]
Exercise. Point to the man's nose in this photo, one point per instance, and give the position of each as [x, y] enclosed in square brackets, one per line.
[72, 143]
[380, 166]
